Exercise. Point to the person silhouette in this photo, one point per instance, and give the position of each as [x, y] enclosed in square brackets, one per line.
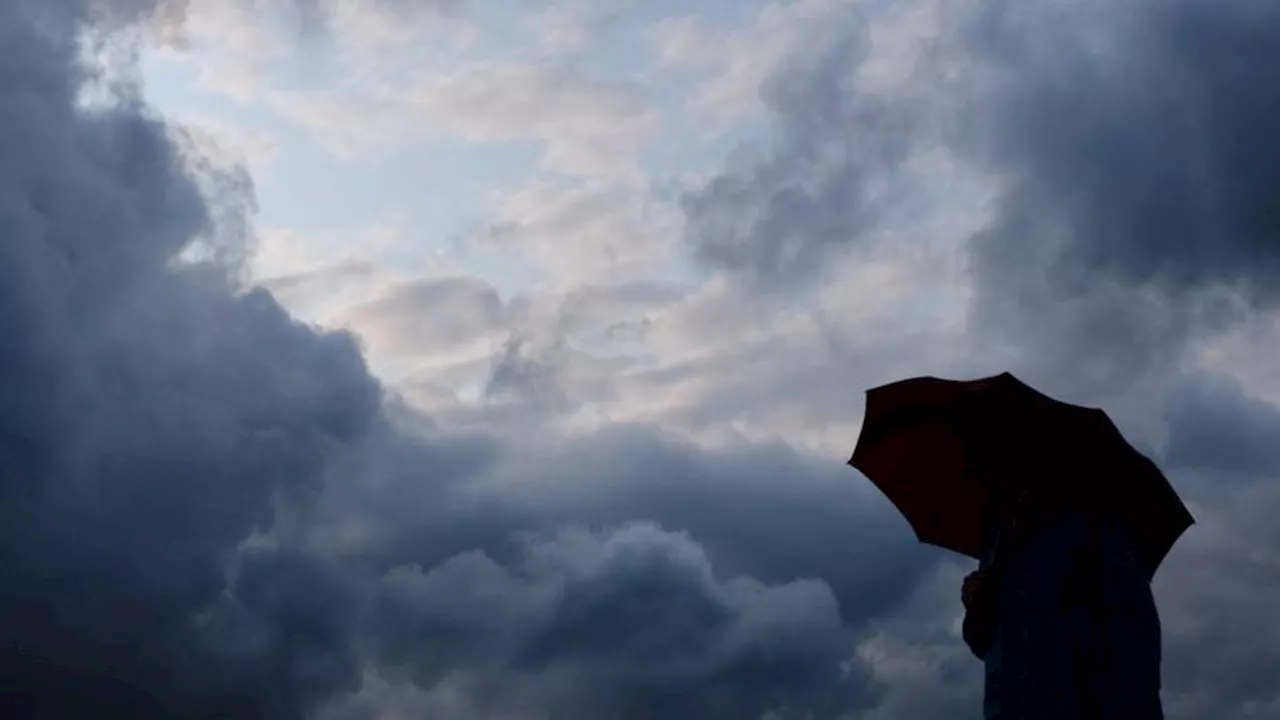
[1061, 611]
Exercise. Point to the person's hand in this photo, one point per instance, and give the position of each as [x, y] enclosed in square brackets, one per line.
[971, 587]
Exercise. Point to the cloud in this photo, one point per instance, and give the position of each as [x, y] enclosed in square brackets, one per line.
[592, 234]
[843, 168]
[1221, 455]
[1128, 237]
[251, 36]
[151, 414]
[417, 318]
[721, 365]
[702, 360]
[1215, 425]
[913, 654]
[629, 622]
[587, 126]
[246, 51]
[212, 509]
[452, 346]
[591, 610]
[572, 26]
[1141, 213]
[1242, 352]
[1125, 248]
[734, 64]
[237, 144]
[729, 500]
[1069, 234]
[1186, 208]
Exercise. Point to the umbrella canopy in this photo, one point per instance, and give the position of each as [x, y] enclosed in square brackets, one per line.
[943, 450]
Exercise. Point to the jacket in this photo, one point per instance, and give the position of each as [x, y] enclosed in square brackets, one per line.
[1065, 621]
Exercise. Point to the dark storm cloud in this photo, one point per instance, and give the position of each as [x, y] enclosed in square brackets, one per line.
[208, 509]
[1149, 136]
[628, 623]
[152, 418]
[766, 572]
[1214, 425]
[762, 511]
[1132, 143]
[775, 218]
[742, 604]
[1137, 168]
[1140, 171]
[149, 415]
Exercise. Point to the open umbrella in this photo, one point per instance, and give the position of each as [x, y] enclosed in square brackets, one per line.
[934, 447]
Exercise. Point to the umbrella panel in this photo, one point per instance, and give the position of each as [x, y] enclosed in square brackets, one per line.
[917, 471]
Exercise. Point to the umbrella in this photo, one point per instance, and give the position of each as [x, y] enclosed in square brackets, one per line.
[941, 450]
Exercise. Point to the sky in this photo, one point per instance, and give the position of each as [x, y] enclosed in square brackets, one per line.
[382, 359]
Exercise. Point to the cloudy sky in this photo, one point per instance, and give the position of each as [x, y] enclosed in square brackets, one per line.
[382, 359]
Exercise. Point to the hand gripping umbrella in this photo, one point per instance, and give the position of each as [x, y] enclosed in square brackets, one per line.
[938, 449]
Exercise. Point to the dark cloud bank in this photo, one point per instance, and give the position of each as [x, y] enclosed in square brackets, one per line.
[212, 511]
[1135, 149]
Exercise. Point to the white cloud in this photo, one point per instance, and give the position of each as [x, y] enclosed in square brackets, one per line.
[1247, 352]
[237, 142]
[569, 26]
[243, 49]
[734, 63]
[448, 318]
[370, 33]
[344, 126]
[321, 276]
[565, 27]
[726, 365]
[709, 361]
[589, 234]
[229, 43]
[587, 127]
[898, 38]
[282, 252]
